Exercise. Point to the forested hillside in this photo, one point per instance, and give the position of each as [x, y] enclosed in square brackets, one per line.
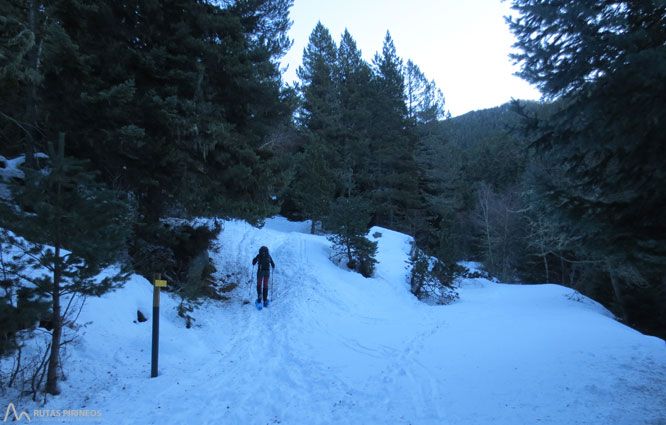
[115, 115]
[145, 110]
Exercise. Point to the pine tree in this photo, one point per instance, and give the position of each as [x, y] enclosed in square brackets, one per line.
[61, 210]
[321, 104]
[606, 63]
[395, 193]
[390, 80]
[425, 107]
[415, 82]
[444, 188]
[319, 118]
[356, 97]
[425, 102]
[170, 100]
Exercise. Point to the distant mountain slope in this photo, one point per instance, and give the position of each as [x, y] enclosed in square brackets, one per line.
[473, 127]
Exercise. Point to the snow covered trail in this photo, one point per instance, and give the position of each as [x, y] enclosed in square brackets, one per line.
[290, 361]
[336, 348]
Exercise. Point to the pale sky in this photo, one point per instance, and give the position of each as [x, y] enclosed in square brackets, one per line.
[461, 44]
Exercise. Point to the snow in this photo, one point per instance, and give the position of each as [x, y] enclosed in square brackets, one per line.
[9, 169]
[337, 348]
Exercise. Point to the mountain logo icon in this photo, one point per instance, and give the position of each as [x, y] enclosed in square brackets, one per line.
[17, 417]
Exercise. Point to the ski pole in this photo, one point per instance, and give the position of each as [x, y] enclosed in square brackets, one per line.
[276, 291]
[250, 281]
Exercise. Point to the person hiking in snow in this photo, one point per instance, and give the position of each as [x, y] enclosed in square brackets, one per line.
[263, 273]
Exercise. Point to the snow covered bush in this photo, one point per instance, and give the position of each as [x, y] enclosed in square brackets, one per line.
[348, 221]
[431, 280]
[178, 250]
[174, 248]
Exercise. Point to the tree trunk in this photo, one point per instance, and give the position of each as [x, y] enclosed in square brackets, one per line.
[52, 374]
[617, 290]
[54, 359]
[485, 217]
[562, 267]
[31, 105]
[505, 246]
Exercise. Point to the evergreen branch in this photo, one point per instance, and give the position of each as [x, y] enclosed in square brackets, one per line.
[38, 259]
[34, 281]
[69, 304]
[16, 122]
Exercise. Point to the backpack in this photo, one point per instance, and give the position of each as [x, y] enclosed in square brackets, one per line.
[264, 259]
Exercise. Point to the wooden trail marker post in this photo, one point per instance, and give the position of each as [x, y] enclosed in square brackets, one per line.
[158, 283]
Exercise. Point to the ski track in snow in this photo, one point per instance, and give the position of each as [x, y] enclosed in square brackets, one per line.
[335, 348]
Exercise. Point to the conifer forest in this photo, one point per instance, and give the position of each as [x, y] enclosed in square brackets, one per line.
[122, 113]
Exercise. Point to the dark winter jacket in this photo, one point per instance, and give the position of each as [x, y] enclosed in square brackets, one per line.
[265, 262]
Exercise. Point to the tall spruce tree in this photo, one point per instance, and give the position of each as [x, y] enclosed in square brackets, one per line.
[319, 118]
[356, 97]
[606, 62]
[425, 107]
[320, 111]
[444, 188]
[321, 106]
[395, 193]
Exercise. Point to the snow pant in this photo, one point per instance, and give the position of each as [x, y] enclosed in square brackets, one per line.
[262, 277]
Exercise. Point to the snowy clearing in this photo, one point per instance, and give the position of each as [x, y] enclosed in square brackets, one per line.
[336, 348]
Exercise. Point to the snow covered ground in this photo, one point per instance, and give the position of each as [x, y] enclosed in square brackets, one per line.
[336, 348]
